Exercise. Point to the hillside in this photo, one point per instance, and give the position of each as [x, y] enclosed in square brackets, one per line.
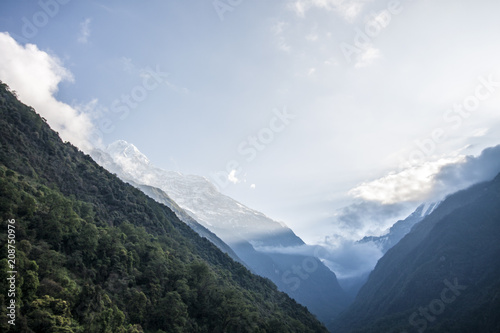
[441, 277]
[253, 236]
[161, 197]
[94, 254]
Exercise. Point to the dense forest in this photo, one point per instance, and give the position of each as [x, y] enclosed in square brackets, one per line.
[94, 254]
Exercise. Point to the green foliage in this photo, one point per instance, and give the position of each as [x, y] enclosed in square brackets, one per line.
[97, 255]
[47, 314]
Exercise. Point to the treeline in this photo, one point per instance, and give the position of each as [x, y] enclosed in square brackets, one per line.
[96, 255]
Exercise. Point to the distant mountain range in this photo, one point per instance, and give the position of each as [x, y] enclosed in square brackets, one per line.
[245, 231]
[443, 276]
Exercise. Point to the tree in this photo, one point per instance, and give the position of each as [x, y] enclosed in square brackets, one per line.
[48, 314]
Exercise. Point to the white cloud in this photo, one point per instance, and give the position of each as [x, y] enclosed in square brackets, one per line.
[480, 132]
[84, 31]
[415, 183]
[278, 30]
[299, 7]
[232, 177]
[367, 56]
[252, 186]
[432, 180]
[35, 75]
[348, 9]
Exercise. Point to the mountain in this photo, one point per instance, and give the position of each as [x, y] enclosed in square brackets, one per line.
[94, 254]
[401, 228]
[352, 285]
[267, 247]
[441, 277]
[198, 197]
[161, 197]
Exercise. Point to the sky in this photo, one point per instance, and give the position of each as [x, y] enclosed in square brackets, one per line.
[337, 117]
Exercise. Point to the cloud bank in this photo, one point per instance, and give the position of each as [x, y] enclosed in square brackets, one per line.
[431, 181]
[35, 76]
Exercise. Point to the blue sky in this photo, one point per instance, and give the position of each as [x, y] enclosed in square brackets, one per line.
[298, 107]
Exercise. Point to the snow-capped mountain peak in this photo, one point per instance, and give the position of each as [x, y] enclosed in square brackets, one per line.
[223, 215]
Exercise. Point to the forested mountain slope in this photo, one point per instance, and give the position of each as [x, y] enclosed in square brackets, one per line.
[94, 254]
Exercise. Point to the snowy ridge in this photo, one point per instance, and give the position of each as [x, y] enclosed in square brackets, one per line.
[402, 227]
[221, 214]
